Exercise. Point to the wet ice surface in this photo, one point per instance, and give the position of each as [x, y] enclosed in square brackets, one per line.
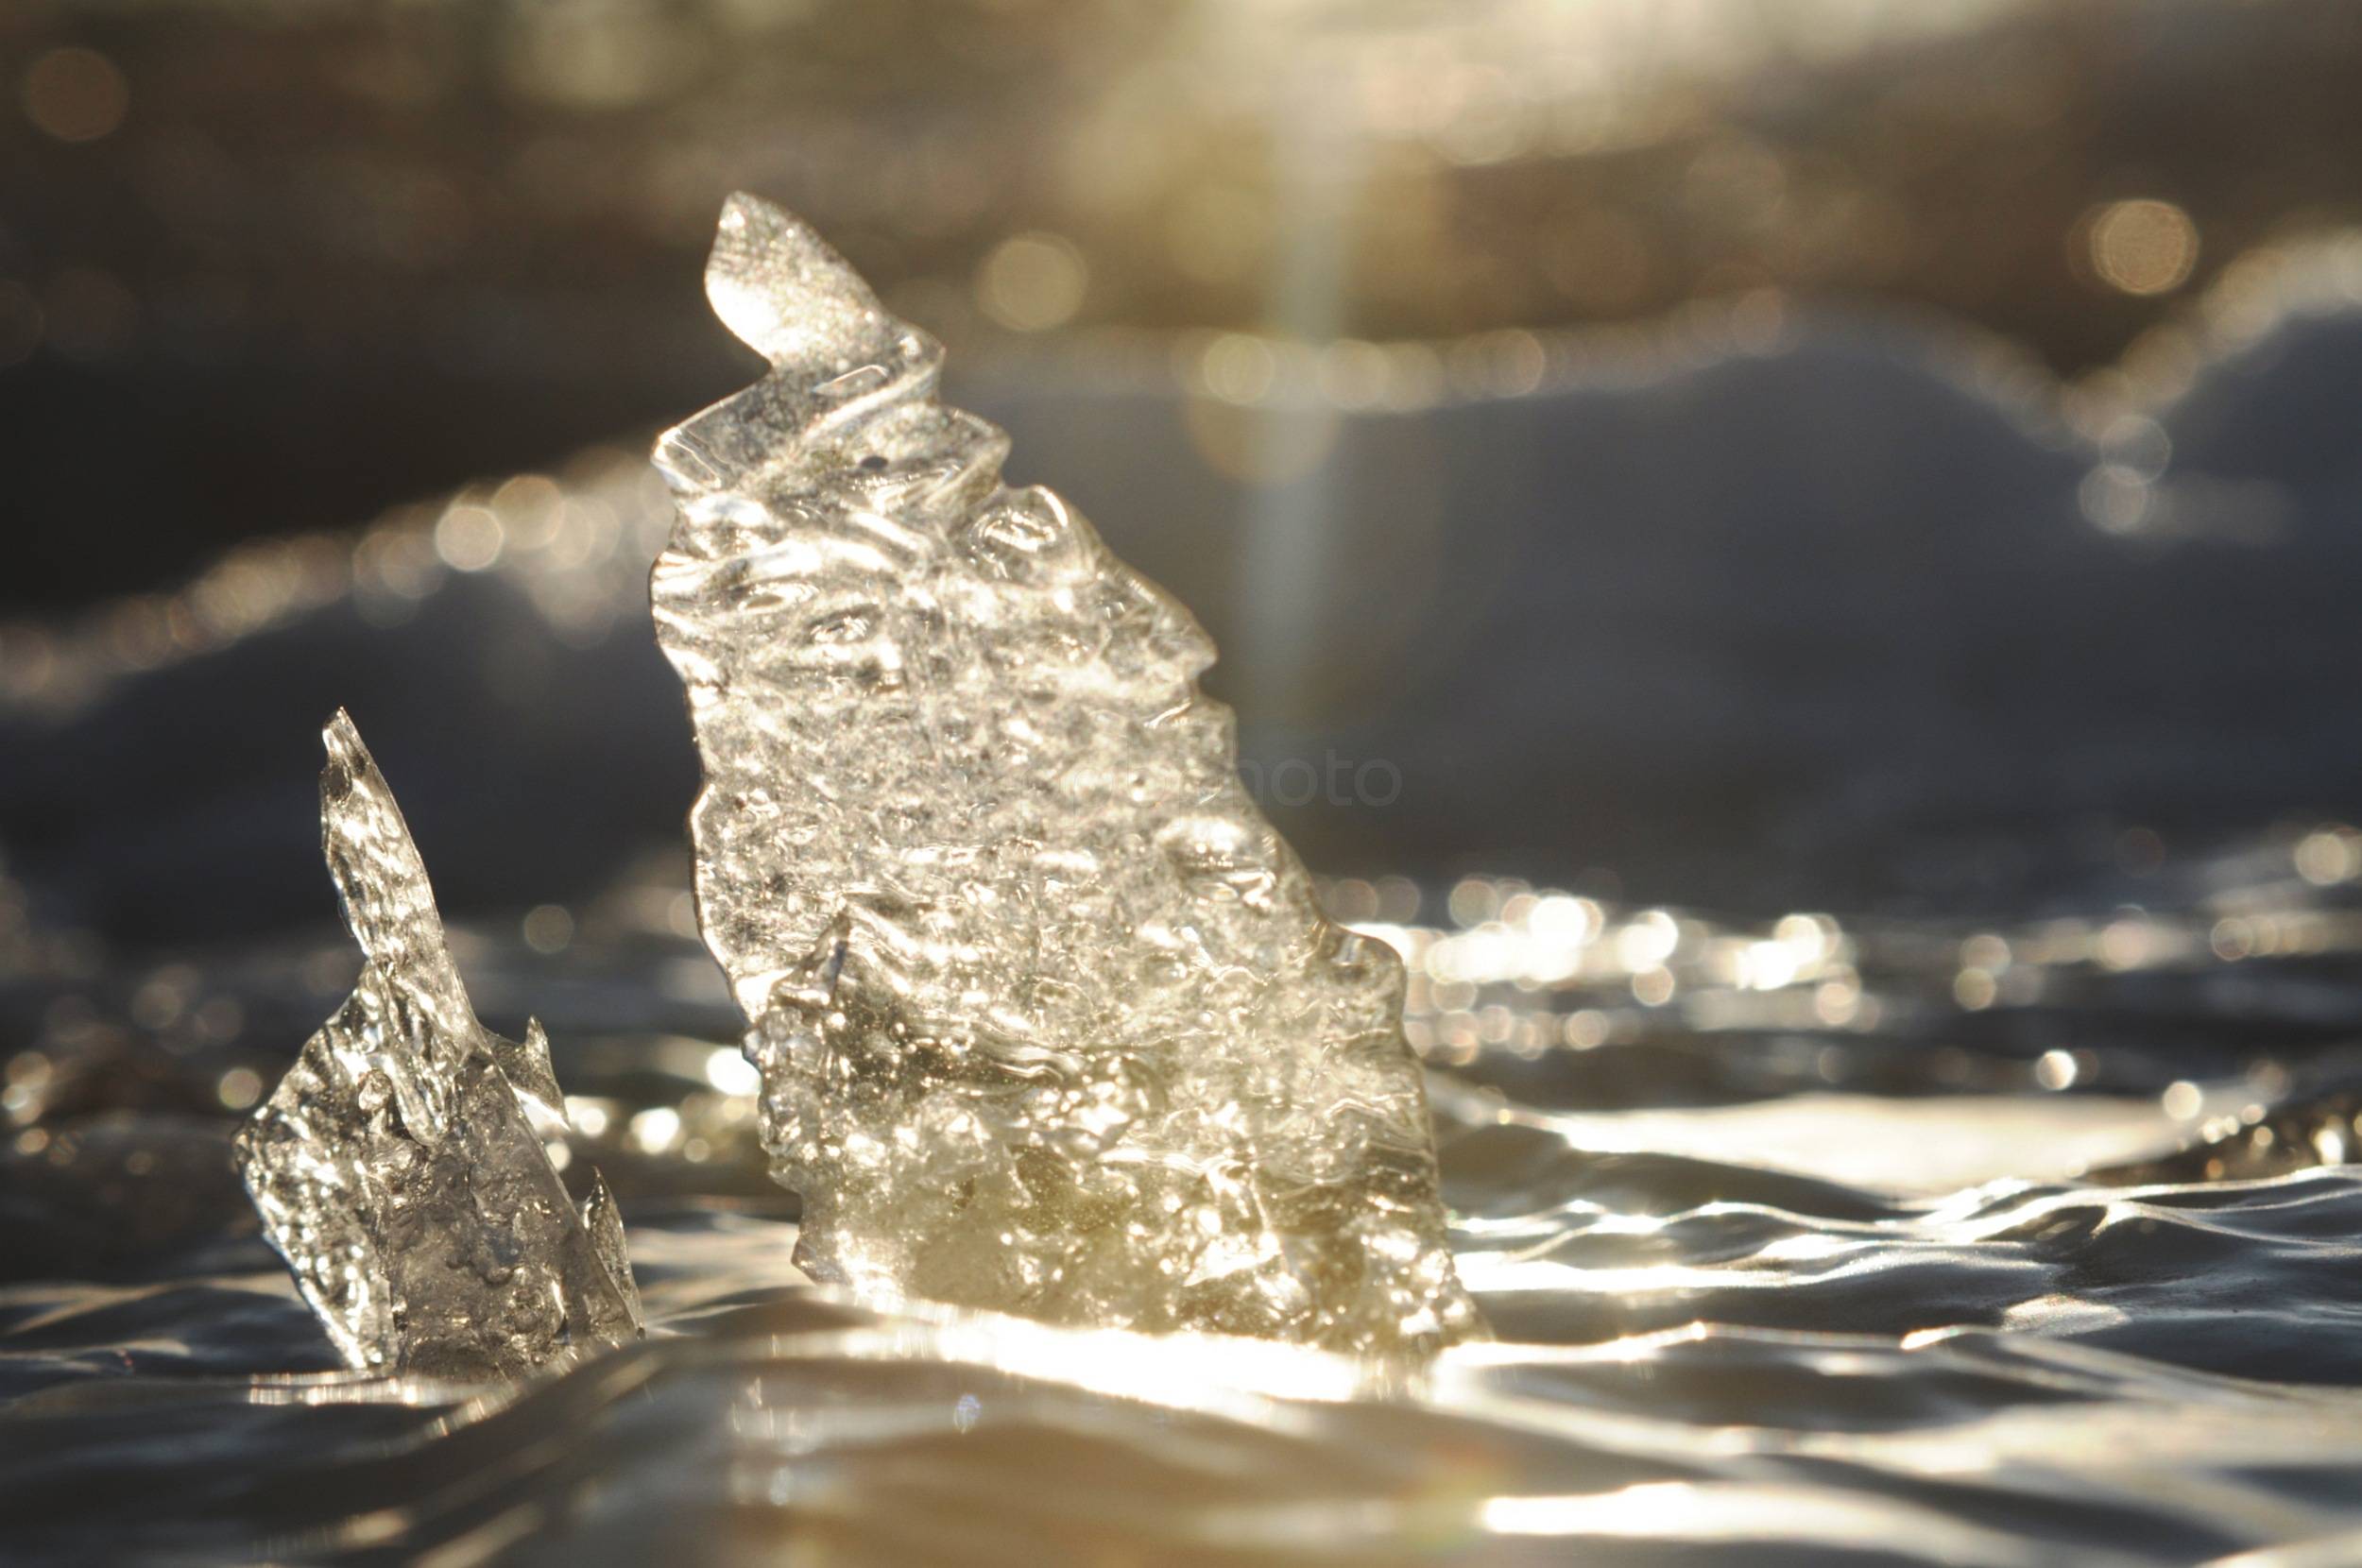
[1743, 1315]
[1048, 1017]
[400, 1168]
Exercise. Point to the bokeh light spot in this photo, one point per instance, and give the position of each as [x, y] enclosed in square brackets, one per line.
[75, 94]
[2142, 247]
[239, 1088]
[468, 538]
[2328, 856]
[549, 927]
[1032, 282]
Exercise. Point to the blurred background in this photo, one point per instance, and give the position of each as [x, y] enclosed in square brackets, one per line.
[1763, 453]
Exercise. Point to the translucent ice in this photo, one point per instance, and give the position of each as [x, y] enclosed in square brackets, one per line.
[400, 1167]
[1047, 1018]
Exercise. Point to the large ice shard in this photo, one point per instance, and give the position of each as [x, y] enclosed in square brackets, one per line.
[399, 1166]
[1047, 1018]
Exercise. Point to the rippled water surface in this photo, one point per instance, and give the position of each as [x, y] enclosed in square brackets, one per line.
[2013, 1244]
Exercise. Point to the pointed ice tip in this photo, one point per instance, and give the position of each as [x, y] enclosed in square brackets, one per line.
[780, 288]
[526, 1066]
[348, 758]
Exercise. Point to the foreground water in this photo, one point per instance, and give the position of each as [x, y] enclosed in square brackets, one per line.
[2006, 1244]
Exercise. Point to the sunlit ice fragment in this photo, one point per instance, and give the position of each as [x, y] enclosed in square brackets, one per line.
[1048, 1016]
[400, 1168]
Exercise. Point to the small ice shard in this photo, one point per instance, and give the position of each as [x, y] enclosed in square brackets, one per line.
[400, 1167]
[1048, 1016]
